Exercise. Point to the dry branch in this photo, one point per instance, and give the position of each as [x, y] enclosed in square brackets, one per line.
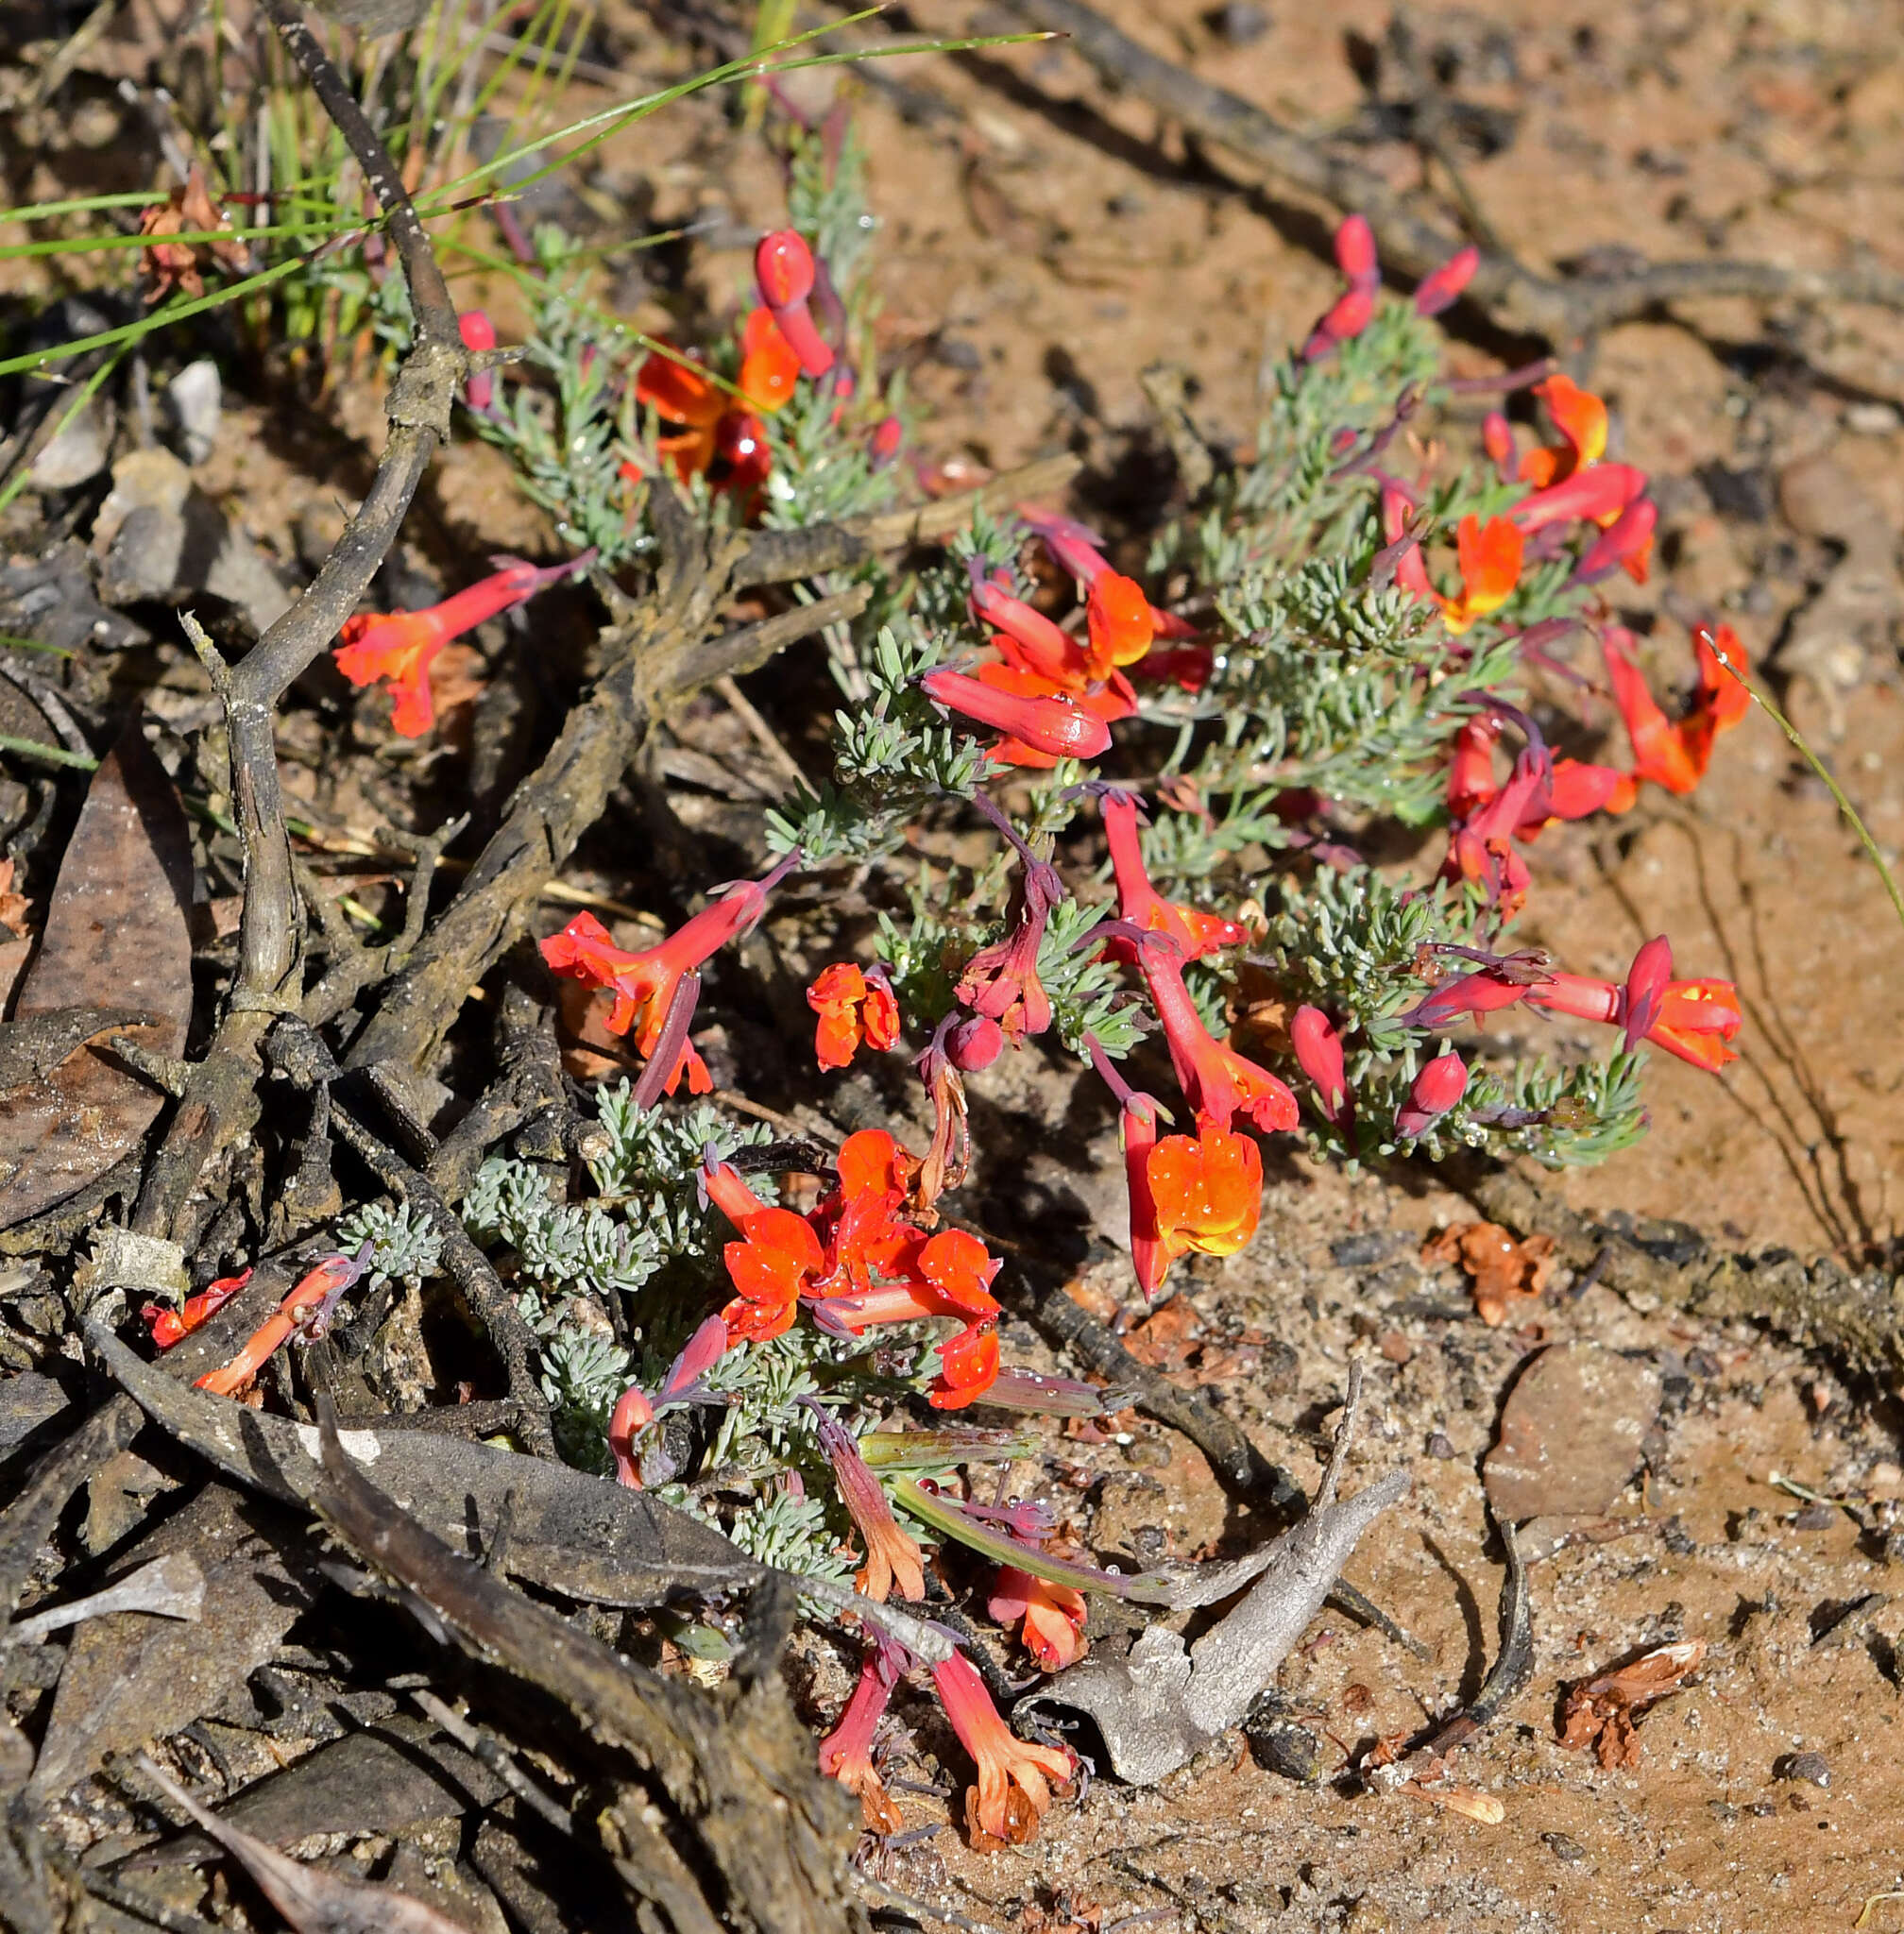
[1561, 313]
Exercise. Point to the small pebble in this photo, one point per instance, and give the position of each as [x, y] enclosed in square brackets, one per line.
[1564, 1848]
[1872, 419]
[1813, 1768]
[1815, 1518]
[1240, 22]
[1281, 1747]
[1438, 1446]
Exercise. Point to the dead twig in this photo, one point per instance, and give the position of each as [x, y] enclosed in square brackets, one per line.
[1857, 1317]
[221, 1102]
[1561, 313]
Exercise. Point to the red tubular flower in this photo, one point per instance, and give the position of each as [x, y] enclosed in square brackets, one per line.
[1490, 560]
[1318, 1053]
[1668, 755]
[1579, 790]
[1694, 1019]
[1442, 289]
[867, 1238]
[1625, 544]
[783, 267]
[644, 983]
[1471, 767]
[173, 1326]
[846, 1752]
[1352, 312]
[1055, 725]
[769, 365]
[1015, 1778]
[1137, 1124]
[892, 1557]
[306, 1309]
[1432, 1094]
[1141, 903]
[1598, 493]
[1053, 1631]
[949, 1275]
[1722, 695]
[1120, 622]
[1642, 998]
[1404, 551]
[1030, 642]
[478, 333]
[1497, 439]
[398, 646]
[1217, 1081]
[1205, 1194]
[1580, 418]
[853, 1006]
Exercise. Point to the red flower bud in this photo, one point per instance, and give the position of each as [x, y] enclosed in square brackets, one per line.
[1318, 1050]
[1435, 1090]
[478, 333]
[1355, 249]
[1442, 289]
[975, 1044]
[783, 265]
[887, 436]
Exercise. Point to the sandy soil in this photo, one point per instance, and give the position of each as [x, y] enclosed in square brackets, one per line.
[1043, 244]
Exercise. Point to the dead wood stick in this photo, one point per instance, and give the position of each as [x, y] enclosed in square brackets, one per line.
[1560, 312]
[1858, 1317]
[475, 1276]
[657, 661]
[220, 1102]
[730, 1781]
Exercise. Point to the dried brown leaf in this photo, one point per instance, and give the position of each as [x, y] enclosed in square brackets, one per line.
[312, 1899]
[1600, 1711]
[117, 941]
[1504, 1272]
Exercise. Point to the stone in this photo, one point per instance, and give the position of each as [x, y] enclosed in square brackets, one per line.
[1570, 1433]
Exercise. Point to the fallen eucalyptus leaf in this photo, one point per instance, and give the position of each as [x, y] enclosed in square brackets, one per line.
[169, 1588]
[313, 1899]
[1163, 1703]
[116, 941]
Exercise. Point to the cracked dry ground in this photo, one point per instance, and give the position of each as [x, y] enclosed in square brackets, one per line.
[1043, 243]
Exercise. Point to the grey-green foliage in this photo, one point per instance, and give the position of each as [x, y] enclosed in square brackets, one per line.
[565, 1249]
[569, 445]
[583, 1372]
[1332, 685]
[648, 1163]
[792, 1529]
[405, 1245]
[823, 473]
[893, 756]
[1088, 994]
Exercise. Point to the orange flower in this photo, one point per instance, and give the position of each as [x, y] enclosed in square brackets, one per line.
[1141, 903]
[1697, 1020]
[1207, 1195]
[1053, 1632]
[306, 1309]
[645, 984]
[398, 646]
[1218, 1082]
[853, 1006]
[1120, 622]
[1677, 756]
[1490, 560]
[846, 1752]
[892, 1557]
[1015, 1778]
[949, 1276]
[1580, 418]
[770, 365]
[174, 1326]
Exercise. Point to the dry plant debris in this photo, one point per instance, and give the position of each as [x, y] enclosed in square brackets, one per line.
[1504, 1273]
[1602, 1711]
